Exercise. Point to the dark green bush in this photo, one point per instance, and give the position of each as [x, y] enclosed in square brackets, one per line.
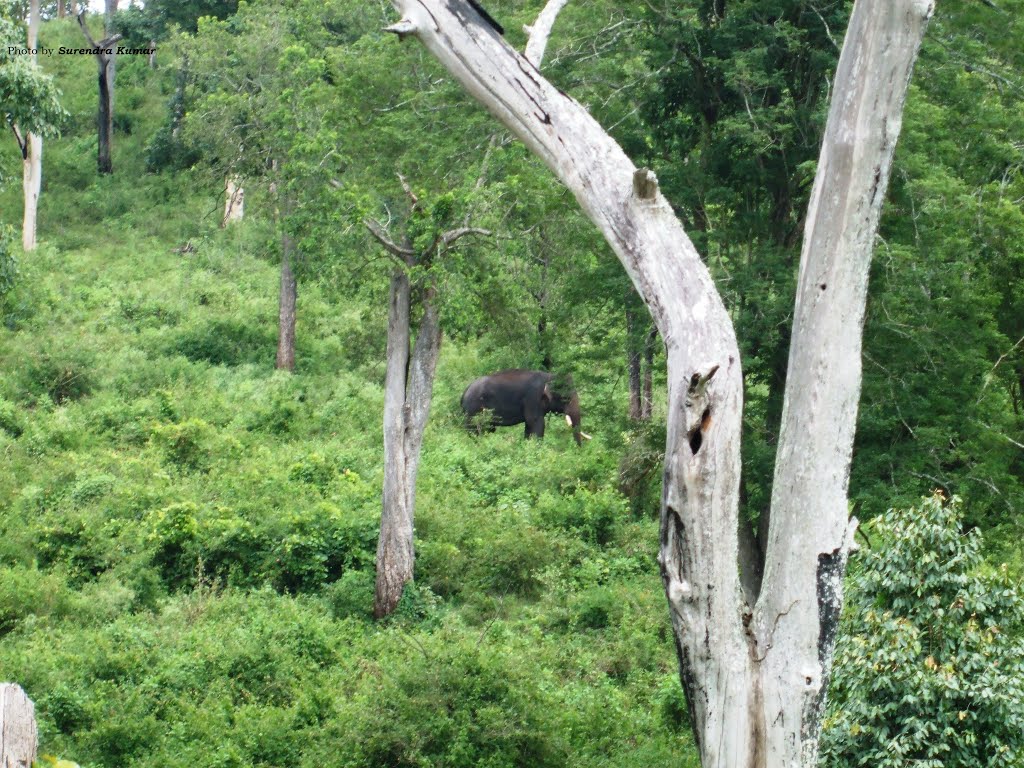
[929, 667]
[592, 515]
[225, 342]
[457, 705]
[62, 376]
[10, 420]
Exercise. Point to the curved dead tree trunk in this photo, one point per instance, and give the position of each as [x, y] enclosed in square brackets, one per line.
[754, 672]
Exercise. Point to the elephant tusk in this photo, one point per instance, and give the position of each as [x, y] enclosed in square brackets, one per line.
[568, 420]
[585, 436]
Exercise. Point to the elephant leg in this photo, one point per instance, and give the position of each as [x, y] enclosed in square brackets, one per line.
[535, 427]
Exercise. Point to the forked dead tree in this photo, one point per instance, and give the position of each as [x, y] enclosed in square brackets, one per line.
[408, 390]
[754, 652]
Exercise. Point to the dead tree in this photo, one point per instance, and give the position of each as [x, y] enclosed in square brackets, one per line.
[18, 732]
[754, 652]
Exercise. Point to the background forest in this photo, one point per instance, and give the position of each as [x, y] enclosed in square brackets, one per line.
[189, 516]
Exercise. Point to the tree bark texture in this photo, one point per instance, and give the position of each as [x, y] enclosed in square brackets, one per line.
[754, 675]
[408, 390]
[234, 201]
[286, 307]
[18, 733]
[633, 364]
[647, 393]
[810, 533]
[32, 161]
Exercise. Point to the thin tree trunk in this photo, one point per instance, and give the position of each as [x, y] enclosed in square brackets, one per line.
[105, 118]
[234, 200]
[32, 162]
[633, 362]
[647, 396]
[755, 675]
[104, 163]
[395, 556]
[61, 9]
[287, 302]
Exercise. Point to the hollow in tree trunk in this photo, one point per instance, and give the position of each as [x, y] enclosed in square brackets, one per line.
[754, 663]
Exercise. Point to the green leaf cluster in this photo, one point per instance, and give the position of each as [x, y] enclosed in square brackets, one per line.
[929, 666]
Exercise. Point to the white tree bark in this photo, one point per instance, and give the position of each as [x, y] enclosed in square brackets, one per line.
[32, 162]
[395, 556]
[540, 32]
[18, 734]
[234, 200]
[810, 533]
[408, 393]
[754, 675]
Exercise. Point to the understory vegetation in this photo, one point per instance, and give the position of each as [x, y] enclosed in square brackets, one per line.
[187, 535]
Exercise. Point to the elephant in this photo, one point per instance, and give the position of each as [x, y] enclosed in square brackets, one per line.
[519, 396]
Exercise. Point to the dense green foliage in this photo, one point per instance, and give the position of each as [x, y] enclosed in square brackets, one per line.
[930, 665]
[187, 537]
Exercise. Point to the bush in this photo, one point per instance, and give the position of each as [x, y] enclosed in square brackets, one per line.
[226, 342]
[63, 376]
[930, 668]
[10, 421]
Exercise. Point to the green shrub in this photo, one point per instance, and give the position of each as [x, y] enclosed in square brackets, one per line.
[27, 592]
[189, 444]
[511, 561]
[10, 421]
[62, 375]
[592, 515]
[226, 342]
[351, 595]
[929, 667]
[454, 703]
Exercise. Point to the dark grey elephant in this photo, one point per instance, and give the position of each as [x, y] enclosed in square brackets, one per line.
[519, 396]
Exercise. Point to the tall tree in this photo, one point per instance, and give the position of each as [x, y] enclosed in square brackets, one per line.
[105, 113]
[30, 99]
[33, 150]
[755, 654]
[408, 384]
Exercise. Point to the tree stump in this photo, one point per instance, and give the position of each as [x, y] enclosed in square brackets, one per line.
[18, 735]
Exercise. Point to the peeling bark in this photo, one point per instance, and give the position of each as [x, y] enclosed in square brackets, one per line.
[18, 732]
[234, 201]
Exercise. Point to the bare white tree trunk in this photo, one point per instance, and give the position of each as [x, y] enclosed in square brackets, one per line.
[32, 162]
[234, 200]
[395, 556]
[18, 734]
[810, 533]
[754, 673]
